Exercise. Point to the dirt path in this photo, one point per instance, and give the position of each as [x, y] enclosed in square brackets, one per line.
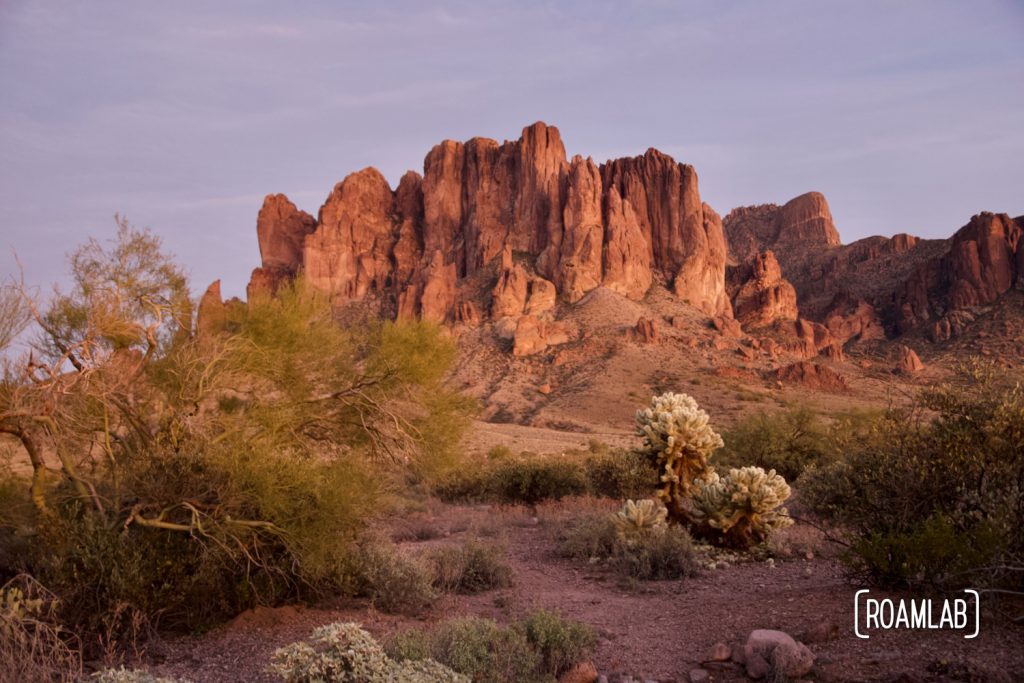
[660, 632]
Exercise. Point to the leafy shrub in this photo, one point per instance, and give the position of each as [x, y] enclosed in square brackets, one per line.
[735, 510]
[345, 653]
[560, 642]
[394, 581]
[932, 495]
[536, 650]
[198, 472]
[474, 567]
[789, 441]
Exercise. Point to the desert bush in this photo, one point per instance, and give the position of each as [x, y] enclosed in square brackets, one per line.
[345, 653]
[530, 478]
[394, 581]
[199, 474]
[474, 567]
[933, 494]
[560, 642]
[123, 675]
[535, 650]
[635, 543]
[738, 509]
[789, 441]
[34, 648]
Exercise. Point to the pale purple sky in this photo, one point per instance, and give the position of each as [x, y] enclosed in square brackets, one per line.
[182, 115]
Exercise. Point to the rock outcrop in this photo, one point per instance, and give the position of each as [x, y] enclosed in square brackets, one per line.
[538, 226]
[984, 260]
[765, 296]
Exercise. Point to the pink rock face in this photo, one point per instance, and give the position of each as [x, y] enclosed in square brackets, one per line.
[804, 221]
[627, 253]
[579, 264]
[765, 296]
[687, 247]
[349, 252]
[983, 262]
[908, 361]
[212, 315]
[281, 229]
[623, 225]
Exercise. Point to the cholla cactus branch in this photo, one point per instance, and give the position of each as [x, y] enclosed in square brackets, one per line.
[679, 439]
[743, 507]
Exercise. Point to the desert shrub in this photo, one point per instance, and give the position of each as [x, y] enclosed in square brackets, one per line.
[396, 582]
[536, 650]
[529, 478]
[198, 472]
[932, 495]
[560, 642]
[123, 675]
[345, 653]
[34, 648]
[474, 567]
[635, 543]
[789, 441]
[736, 510]
[618, 472]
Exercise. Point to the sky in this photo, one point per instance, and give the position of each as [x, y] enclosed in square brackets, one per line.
[181, 116]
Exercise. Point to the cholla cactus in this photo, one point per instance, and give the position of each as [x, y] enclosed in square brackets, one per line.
[639, 517]
[743, 506]
[678, 438]
[345, 653]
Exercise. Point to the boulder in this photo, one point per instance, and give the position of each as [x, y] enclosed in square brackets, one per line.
[907, 360]
[645, 331]
[787, 657]
[812, 376]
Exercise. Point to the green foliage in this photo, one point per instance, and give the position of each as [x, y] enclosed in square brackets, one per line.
[791, 440]
[474, 567]
[560, 642]
[345, 653]
[394, 581]
[529, 478]
[536, 650]
[198, 475]
[932, 494]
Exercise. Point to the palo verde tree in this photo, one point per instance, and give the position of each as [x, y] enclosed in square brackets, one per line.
[189, 476]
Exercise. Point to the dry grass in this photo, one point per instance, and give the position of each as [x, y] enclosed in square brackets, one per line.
[33, 646]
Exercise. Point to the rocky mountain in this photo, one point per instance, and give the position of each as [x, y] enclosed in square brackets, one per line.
[528, 254]
[542, 225]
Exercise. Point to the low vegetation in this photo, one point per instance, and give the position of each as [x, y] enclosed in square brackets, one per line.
[933, 495]
[530, 478]
[538, 649]
[169, 476]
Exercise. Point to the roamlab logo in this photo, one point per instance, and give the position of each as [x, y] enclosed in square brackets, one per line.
[885, 614]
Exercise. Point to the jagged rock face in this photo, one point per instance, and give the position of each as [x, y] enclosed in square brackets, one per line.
[212, 314]
[687, 247]
[627, 253]
[573, 226]
[805, 221]
[281, 229]
[765, 296]
[350, 251]
[983, 262]
[813, 376]
[579, 264]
